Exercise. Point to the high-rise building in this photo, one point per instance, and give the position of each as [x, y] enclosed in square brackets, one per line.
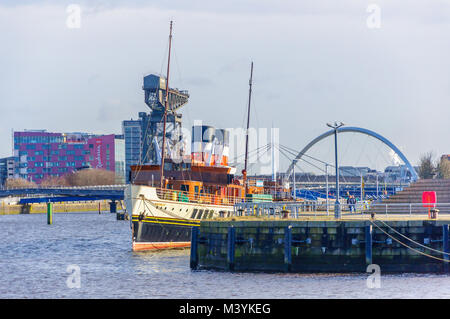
[41, 154]
[132, 132]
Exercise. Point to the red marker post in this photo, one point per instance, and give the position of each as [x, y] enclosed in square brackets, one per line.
[429, 200]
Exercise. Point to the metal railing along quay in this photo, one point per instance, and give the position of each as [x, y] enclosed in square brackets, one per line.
[408, 208]
[313, 208]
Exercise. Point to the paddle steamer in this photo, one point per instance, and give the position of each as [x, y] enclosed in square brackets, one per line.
[165, 200]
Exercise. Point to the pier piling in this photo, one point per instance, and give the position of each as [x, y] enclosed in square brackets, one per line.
[231, 241]
[369, 231]
[287, 248]
[49, 213]
[445, 246]
[194, 248]
[113, 206]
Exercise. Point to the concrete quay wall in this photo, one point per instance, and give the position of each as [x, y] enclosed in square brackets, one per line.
[6, 209]
[321, 246]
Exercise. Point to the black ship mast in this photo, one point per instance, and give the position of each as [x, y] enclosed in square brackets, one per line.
[162, 184]
[244, 172]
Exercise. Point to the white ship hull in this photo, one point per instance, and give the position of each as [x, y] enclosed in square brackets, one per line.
[160, 220]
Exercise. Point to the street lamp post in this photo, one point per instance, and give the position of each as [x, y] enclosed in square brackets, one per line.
[337, 205]
[377, 185]
[361, 186]
[293, 185]
[326, 179]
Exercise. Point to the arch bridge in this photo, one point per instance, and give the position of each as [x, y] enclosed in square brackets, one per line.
[360, 130]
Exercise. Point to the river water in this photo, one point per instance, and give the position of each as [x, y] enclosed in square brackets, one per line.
[87, 255]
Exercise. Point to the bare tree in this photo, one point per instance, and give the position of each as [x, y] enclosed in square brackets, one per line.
[19, 183]
[443, 168]
[427, 168]
[54, 181]
[89, 177]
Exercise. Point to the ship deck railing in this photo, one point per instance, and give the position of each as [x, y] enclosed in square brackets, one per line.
[200, 198]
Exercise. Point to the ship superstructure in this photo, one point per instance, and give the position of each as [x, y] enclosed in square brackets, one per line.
[172, 192]
[202, 186]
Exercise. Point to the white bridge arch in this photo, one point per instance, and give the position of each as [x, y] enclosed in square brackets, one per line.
[411, 169]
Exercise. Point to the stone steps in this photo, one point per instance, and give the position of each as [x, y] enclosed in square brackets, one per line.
[413, 195]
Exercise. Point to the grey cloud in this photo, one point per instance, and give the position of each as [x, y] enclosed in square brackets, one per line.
[314, 62]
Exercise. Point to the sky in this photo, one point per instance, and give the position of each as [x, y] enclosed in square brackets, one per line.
[380, 65]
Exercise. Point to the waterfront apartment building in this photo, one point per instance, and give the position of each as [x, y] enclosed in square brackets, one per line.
[40, 154]
[119, 158]
[350, 171]
[7, 169]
